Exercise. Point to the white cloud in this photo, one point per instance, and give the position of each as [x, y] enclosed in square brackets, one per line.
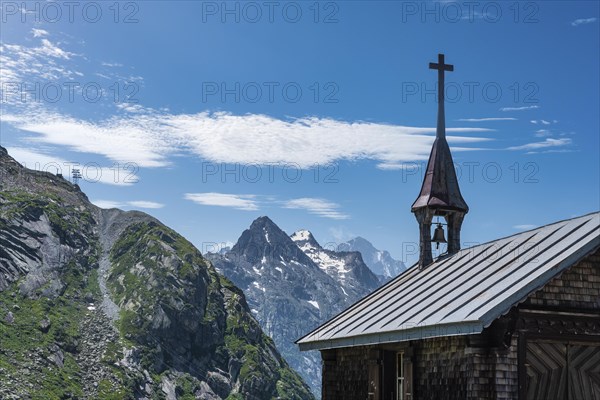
[543, 122]
[46, 61]
[148, 139]
[92, 172]
[122, 141]
[244, 202]
[519, 108]
[112, 65]
[249, 202]
[145, 204]
[485, 119]
[524, 227]
[39, 32]
[320, 207]
[551, 151]
[127, 204]
[107, 204]
[582, 21]
[549, 142]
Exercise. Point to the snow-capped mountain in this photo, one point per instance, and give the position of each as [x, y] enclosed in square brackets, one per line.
[346, 267]
[292, 285]
[379, 261]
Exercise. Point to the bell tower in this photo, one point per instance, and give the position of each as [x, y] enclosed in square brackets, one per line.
[440, 194]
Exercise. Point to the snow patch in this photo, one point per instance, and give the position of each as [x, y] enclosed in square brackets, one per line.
[301, 235]
[328, 263]
[257, 285]
[314, 304]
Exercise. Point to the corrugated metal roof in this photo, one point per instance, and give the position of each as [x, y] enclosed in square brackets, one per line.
[463, 293]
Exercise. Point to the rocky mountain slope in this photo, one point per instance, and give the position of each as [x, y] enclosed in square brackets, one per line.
[293, 285]
[379, 261]
[106, 304]
[345, 267]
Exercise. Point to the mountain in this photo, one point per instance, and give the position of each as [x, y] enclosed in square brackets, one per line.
[293, 285]
[379, 261]
[107, 304]
[345, 267]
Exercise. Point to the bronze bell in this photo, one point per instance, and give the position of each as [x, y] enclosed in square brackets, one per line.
[438, 236]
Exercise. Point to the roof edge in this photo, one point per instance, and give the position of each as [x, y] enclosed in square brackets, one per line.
[308, 341]
[520, 296]
[417, 333]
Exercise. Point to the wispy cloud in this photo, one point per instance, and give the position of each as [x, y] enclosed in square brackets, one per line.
[112, 65]
[148, 139]
[127, 204]
[145, 204]
[549, 142]
[543, 122]
[251, 202]
[39, 32]
[486, 119]
[29, 64]
[246, 202]
[107, 203]
[583, 21]
[524, 227]
[46, 60]
[519, 108]
[542, 133]
[317, 206]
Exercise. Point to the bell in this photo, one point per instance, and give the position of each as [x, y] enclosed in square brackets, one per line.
[438, 236]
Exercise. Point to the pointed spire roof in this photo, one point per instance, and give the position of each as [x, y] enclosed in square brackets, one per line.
[440, 187]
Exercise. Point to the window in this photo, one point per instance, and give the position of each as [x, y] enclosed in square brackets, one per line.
[400, 376]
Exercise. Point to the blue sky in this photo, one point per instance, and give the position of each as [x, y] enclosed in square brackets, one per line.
[320, 115]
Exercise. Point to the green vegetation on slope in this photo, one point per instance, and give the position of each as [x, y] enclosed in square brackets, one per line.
[159, 279]
[40, 341]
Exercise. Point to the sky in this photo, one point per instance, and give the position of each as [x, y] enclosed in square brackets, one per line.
[320, 115]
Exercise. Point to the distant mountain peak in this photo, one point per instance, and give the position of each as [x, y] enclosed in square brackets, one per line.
[263, 221]
[265, 239]
[379, 261]
[291, 281]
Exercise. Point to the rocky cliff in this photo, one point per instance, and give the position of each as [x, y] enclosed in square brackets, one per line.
[106, 304]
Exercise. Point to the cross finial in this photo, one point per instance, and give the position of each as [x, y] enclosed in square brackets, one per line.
[442, 67]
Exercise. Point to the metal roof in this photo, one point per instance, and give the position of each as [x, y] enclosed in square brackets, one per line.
[464, 293]
[440, 186]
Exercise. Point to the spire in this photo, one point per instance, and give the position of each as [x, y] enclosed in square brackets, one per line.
[440, 194]
[441, 67]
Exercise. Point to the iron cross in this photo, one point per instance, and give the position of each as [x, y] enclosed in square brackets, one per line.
[442, 67]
